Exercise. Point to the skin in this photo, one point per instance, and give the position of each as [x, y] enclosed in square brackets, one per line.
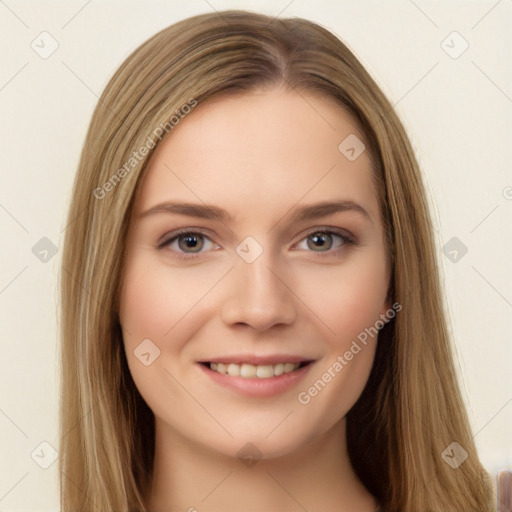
[260, 156]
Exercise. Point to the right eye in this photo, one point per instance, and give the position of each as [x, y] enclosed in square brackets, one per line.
[184, 241]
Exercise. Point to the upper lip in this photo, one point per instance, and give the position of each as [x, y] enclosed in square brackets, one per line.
[258, 360]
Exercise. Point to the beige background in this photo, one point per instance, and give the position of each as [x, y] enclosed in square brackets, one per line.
[458, 112]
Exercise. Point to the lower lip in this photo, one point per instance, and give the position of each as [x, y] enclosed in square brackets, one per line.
[257, 387]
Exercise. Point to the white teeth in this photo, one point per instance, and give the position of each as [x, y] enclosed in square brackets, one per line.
[234, 370]
[250, 371]
[278, 369]
[289, 367]
[264, 372]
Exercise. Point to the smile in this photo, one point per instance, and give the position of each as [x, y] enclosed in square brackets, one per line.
[262, 380]
[249, 371]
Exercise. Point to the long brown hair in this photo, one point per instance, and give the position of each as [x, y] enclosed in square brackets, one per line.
[411, 410]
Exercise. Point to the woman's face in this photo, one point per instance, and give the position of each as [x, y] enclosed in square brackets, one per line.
[263, 284]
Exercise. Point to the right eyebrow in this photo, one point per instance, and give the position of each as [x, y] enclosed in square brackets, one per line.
[190, 209]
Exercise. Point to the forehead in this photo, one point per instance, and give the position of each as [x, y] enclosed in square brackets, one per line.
[266, 149]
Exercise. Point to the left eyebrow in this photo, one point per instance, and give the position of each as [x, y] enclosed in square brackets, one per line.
[304, 213]
[325, 208]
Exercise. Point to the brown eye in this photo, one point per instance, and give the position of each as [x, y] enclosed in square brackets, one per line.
[320, 240]
[187, 244]
[324, 241]
[191, 241]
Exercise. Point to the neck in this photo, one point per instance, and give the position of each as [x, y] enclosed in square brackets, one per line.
[317, 476]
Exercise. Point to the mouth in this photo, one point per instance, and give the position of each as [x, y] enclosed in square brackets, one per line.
[253, 376]
[251, 371]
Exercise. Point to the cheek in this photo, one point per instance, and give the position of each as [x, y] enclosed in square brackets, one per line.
[156, 299]
[154, 305]
[168, 307]
[144, 308]
[350, 298]
[354, 299]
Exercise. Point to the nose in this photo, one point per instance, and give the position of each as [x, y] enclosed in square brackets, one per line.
[258, 295]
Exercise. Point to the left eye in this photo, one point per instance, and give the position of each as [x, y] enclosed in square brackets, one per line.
[324, 240]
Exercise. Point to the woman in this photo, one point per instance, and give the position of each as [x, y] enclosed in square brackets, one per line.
[212, 358]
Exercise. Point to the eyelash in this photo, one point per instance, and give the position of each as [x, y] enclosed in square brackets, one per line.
[168, 239]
